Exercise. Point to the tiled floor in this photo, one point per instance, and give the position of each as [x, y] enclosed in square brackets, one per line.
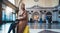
[4, 28]
[41, 30]
[48, 31]
[44, 26]
[34, 27]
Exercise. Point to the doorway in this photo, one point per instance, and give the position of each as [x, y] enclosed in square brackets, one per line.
[35, 16]
[49, 15]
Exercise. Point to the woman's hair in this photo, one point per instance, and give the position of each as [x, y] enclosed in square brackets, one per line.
[20, 6]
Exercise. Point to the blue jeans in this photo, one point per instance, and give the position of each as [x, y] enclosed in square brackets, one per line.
[12, 27]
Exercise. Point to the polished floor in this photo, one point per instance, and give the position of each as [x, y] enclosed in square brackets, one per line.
[43, 30]
[34, 27]
[4, 28]
[44, 25]
[47, 31]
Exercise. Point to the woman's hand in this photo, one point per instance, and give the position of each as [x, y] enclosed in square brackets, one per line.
[22, 16]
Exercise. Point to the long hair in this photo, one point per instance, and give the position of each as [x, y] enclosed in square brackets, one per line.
[20, 6]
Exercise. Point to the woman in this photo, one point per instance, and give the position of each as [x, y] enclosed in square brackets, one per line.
[23, 17]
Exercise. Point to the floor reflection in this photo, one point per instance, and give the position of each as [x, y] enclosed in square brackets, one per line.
[44, 26]
[48, 31]
[4, 27]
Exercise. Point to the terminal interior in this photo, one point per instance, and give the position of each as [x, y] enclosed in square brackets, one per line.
[37, 12]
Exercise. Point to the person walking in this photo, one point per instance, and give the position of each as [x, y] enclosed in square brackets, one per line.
[23, 17]
[46, 19]
[40, 20]
[12, 26]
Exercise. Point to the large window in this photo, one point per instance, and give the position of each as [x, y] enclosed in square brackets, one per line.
[8, 14]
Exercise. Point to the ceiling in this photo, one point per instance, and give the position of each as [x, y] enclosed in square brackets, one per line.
[41, 3]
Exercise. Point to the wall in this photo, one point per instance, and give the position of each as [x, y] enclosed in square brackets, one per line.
[41, 3]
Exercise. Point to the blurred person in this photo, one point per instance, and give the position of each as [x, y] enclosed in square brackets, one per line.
[23, 17]
[50, 19]
[12, 26]
[40, 20]
[46, 19]
[31, 20]
[22, 21]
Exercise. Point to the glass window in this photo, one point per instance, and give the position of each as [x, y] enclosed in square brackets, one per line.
[3, 15]
[8, 14]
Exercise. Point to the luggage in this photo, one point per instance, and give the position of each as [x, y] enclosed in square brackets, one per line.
[26, 30]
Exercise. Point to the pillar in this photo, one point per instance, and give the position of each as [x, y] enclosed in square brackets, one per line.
[0, 11]
[55, 16]
[43, 16]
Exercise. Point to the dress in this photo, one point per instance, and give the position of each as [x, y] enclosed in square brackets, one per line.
[23, 22]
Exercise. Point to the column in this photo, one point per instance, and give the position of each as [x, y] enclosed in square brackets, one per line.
[43, 17]
[0, 11]
[55, 15]
[16, 11]
[29, 14]
[40, 15]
